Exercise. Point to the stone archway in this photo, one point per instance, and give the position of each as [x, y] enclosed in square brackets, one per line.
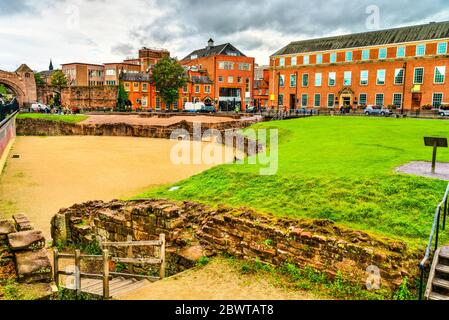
[21, 83]
[346, 97]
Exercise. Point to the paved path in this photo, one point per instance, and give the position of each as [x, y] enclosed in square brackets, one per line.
[424, 169]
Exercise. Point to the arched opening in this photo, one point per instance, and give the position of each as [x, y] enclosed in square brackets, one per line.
[208, 102]
[9, 91]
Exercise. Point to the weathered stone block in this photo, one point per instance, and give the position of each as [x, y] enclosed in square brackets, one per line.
[33, 267]
[6, 227]
[26, 240]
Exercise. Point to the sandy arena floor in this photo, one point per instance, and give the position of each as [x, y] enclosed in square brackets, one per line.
[57, 172]
[152, 121]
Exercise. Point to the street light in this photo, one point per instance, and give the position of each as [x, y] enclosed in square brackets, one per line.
[403, 92]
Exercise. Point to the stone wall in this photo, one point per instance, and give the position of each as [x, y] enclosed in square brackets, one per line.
[22, 252]
[195, 230]
[96, 97]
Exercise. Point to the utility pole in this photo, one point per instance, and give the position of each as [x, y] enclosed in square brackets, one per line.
[403, 92]
[279, 90]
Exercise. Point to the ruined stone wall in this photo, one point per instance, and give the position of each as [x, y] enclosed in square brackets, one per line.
[194, 230]
[90, 98]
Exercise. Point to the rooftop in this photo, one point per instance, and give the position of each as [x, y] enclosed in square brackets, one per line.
[423, 32]
[136, 77]
[211, 50]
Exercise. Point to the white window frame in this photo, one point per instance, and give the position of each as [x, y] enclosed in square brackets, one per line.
[334, 60]
[302, 99]
[397, 51]
[296, 81]
[302, 80]
[402, 99]
[329, 79]
[306, 60]
[366, 100]
[367, 77]
[282, 62]
[350, 78]
[435, 75]
[417, 48]
[333, 100]
[383, 99]
[294, 61]
[386, 53]
[314, 100]
[414, 75]
[347, 53]
[282, 83]
[433, 98]
[438, 48]
[319, 76]
[396, 74]
[369, 54]
[384, 77]
[321, 58]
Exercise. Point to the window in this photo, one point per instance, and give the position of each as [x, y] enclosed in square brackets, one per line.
[420, 50]
[197, 88]
[110, 72]
[230, 79]
[382, 53]
[399, 76]
[437, 100]
[281, 100]
[247, 85]
[184, 89]
[365, 54]
[175, 105]
[306, 60]
[332, 79]
[239, 79]
[305, 80]
[244, 66]
[333, 57]
[442, 48]
[220, 79]
[281, 80]
[397, 99]
[127, 86]
[206, 89]
[158, 103]
[225, 65]
[418, 77]
[193, 57]
[294, 61]
[347, 78]
[318, 79]
[144, 87]
[330, 100]
[293, 80]
[381, 74]
[319, 59]
[363, 99]
[304, 100]
[364, 77]
[348, 56]
[281, 62]
[317, 100]
[379, 99]
[400, 53]
[144, 101]
[440, 74]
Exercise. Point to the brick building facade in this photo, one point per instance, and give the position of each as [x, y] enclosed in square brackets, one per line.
[402, 67]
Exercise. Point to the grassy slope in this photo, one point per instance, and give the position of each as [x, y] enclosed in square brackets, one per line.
[335, 168]
[53, 117]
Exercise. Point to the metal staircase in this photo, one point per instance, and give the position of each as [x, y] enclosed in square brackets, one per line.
[438, 284]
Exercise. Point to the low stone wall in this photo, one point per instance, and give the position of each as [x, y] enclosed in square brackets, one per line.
[195, 230]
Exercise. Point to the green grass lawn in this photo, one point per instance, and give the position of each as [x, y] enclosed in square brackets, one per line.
[53, 117]
[335, 168]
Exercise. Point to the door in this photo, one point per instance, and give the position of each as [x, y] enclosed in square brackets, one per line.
[292, 101]
[416, 100]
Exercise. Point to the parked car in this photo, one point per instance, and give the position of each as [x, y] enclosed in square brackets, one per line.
[208, 109]
[251, 109]
[377, 110]
[39, 107]
[443, 111]
[194, 107]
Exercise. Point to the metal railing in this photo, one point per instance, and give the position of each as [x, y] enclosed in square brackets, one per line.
[434, 236]
[8, 109]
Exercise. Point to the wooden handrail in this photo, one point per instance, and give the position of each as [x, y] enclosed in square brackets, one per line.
[132, 243]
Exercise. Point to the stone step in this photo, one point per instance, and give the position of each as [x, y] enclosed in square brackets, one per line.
[26, 240]
[6, 227]
[22, 222]
[33, 266]
[441, 283]
[444, 253]
[96, 285]
[437, 296]
[442, 268]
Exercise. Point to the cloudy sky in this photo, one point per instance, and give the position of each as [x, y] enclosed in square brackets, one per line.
[99, 31]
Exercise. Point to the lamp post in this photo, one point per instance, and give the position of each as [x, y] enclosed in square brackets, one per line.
[403, 92]
[279, 91]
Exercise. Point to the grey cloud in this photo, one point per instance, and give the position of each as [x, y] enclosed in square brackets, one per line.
[123, 49]
[8, 7]
[299, 18]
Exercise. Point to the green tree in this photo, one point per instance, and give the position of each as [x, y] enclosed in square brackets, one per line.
[168, 77]
[39, 80]
[3, 90]
[58, 80]
[122, 97]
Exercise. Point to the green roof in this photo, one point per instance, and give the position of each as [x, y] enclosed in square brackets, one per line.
[424, 32]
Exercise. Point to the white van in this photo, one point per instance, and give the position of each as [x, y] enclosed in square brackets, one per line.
[194, 107]
[39, 107]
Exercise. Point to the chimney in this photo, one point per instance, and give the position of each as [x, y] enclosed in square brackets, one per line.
[210, 43]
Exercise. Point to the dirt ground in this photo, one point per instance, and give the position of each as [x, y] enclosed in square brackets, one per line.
[152, 121]
[219, 280]
[57, 172]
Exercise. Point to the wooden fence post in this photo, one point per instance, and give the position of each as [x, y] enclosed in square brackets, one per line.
[162, 253]
[78, 272]
[130, 253]
[56, 267]
[105, 274]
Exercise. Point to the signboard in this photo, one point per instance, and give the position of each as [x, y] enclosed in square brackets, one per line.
[272, 97]
[435, 143]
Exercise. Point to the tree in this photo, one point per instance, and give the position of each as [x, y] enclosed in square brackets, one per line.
[39, 80]
[58, 80]
[168, 77]
[3, 90]
[122, 97]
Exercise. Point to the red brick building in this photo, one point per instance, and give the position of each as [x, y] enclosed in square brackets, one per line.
[395, 67]
[231, 74]
[261, 89]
